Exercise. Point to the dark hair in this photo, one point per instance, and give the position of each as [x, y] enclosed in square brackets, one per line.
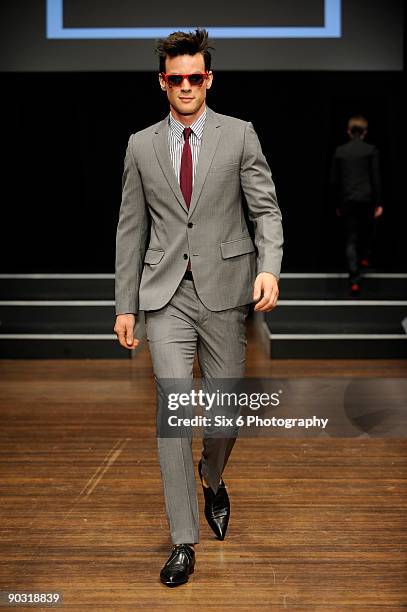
[184, 43]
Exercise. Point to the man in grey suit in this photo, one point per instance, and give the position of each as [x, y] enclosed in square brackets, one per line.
[184, 256]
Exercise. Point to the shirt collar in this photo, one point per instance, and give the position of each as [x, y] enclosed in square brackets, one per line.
[197, 127]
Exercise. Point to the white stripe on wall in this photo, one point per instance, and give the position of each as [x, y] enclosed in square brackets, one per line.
[58, 337]
[57, 303]
[306, 275]
[349, 302]
[59, 275]
[337, 336]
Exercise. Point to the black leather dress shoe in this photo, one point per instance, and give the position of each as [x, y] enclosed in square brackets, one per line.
[217, 507]
[179, 565]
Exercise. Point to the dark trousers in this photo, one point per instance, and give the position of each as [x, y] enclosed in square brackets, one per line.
[358, 218]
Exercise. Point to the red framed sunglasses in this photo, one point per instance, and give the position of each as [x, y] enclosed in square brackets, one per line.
[175, 80]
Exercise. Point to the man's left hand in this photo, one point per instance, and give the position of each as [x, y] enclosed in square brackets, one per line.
[266, 283]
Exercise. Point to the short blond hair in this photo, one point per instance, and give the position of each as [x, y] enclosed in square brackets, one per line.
[358, 121]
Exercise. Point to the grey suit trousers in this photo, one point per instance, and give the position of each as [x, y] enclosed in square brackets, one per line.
[174, 333]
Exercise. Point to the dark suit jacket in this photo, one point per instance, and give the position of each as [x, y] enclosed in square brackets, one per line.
[355, 173]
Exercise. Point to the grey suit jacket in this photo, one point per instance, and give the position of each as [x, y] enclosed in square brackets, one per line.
[156, 233]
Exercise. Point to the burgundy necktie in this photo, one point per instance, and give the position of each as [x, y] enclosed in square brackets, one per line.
[185, 176]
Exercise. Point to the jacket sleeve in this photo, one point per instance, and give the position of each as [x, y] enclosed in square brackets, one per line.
[263, 209]
[131, 236]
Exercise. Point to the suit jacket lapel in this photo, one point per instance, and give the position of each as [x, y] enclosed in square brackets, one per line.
[210, 140]
[160, 142]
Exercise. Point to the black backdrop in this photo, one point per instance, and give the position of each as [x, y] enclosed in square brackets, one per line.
[64, 137]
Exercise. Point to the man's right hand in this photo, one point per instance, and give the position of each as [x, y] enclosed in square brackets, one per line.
[124, 329]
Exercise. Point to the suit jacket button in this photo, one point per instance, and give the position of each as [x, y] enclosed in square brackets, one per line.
[185, 256]
[190, 224]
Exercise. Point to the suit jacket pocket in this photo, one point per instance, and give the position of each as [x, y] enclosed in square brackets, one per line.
[231, 248]
[225, 167]
[153, 256]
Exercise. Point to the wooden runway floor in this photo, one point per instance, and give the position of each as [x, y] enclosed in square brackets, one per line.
[315, 524]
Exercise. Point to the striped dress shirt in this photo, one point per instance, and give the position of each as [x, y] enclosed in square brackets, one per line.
[176, 142]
